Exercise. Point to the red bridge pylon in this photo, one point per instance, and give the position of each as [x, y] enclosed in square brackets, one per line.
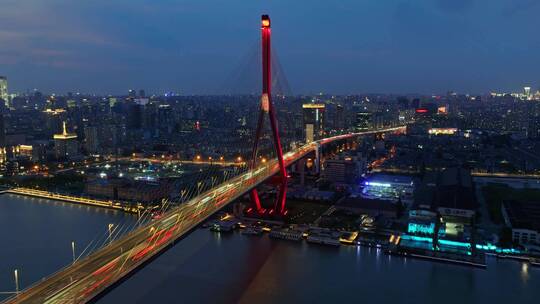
[267, 108]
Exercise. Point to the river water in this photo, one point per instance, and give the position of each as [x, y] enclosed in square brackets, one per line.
[36, 236]
[233, 268]
[208, 267]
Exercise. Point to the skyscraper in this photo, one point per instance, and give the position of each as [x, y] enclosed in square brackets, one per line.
[2, 132]
[363, 119]
[4, 89]
[91, 141]
[65, 144]
[527, 91]
[313, 120]
[339, 118]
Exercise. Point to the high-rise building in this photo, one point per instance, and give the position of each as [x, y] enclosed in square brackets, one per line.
[313, 120]
[65, 144]
[91, 141]
[2, 132]
[364, 121]
[135, 116]
[527, 91]
[4, 89]
[165, 118]
[339, 118]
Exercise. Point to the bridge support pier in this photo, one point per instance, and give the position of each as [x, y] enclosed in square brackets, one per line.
[301, 166]
[318, 159]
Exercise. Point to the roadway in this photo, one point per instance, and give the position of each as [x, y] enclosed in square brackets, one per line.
[216, 162]
[86, 278]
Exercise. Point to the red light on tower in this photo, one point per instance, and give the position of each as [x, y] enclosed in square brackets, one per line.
[265, 21]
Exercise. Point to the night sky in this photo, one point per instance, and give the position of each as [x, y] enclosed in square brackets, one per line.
[192, 46]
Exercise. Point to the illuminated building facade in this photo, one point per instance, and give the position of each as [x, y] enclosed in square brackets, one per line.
[65, 144]
[364, 121]
[523, 217]
[527, 91]
[313, 114]
[389, 187]
[4, 90]
[442, 131]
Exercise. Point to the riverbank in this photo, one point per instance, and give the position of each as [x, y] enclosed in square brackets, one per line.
[388, 241]
[239, 268]
[129, 208]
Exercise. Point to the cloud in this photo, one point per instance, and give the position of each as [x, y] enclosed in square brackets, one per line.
[34, 32]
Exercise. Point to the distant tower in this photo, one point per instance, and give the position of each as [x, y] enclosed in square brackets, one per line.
[2, 132]
[364, 120]
[4, 89]
[91, 141]
[65, 144]
[527, 92]
[339, 118]
[313, 120]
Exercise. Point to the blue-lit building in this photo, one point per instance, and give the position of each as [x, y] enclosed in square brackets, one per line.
[389, 187]
[444, 202]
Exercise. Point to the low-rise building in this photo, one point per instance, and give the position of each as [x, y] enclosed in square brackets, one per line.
[389, 187]
[524, 220]
[127, 190]
[342, 170]
[371, 207]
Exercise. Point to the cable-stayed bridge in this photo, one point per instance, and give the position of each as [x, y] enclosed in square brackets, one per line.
[90, 276]
[93, 274]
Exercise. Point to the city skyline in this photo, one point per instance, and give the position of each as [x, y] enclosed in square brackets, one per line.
[391, 47]
[142, 170]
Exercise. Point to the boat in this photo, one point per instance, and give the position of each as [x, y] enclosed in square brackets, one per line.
[252, 231]
[222, 227]
[286, 234]
[324, 239]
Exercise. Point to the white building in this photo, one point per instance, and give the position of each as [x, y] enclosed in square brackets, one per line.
[524, 219]
[4, 90]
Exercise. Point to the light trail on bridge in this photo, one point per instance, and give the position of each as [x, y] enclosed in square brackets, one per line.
[91, 275]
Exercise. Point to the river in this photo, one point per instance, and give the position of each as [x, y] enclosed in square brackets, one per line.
[36, 236]
[208, 267]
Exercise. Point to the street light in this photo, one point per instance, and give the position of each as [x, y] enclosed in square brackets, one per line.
[183, 194]
[199, 188]
[73, 250]
[16, 274]
[110, 232]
